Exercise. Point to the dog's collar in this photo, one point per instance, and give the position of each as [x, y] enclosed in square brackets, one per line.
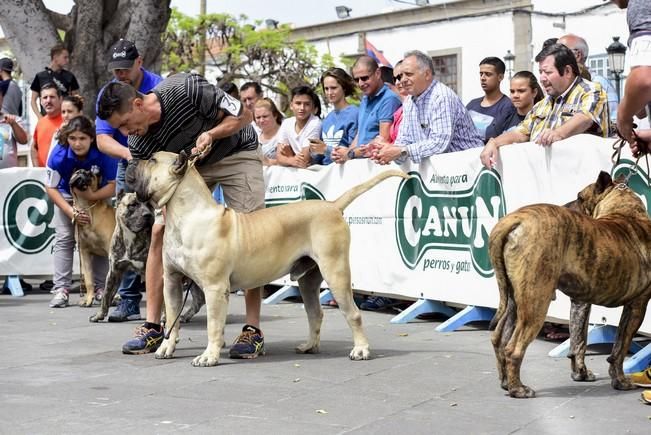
[621, 186]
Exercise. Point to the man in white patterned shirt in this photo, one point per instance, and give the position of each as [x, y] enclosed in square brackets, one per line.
[435, 121]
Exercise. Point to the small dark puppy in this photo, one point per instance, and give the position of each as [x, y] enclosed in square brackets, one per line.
[129, 250]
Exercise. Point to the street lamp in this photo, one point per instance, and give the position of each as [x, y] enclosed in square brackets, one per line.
[343, 12]
[271, 23]
[616, 55]
[509, 58]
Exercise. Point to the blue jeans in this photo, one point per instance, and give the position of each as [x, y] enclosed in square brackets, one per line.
[131, 285]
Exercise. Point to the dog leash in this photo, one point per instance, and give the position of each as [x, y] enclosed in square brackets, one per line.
[644, 151]
[185, 299]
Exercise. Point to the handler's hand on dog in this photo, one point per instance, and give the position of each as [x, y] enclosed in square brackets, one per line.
[203, 142]
[488, 155]
[79, 216]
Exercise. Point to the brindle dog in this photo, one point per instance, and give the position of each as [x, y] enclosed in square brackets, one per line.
[129, 250]
[601, 255]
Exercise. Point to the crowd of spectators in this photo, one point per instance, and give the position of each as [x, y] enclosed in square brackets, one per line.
[404, 114]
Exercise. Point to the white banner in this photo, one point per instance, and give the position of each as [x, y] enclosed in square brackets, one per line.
[426, 237]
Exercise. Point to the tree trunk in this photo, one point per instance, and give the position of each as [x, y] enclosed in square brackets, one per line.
[30, 33]
[94, 25]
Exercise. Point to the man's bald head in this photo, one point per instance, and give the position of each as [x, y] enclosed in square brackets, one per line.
[578, 46]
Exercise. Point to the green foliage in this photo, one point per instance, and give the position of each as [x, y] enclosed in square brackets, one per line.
[242, 51]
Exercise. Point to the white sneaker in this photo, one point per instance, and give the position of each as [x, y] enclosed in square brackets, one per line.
[60, 299]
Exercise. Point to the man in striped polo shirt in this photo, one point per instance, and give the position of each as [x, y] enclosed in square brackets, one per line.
[182, 112]
[573, 106]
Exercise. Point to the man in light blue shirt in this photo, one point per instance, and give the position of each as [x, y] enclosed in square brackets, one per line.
[375, 111]
[434, 119]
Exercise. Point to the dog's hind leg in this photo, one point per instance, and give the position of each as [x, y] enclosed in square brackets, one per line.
[173, 296]
[309, 285]
[337, 275]
[579, 316]
[216, 311]
[501, 336]
[530, 317]
[629, 323]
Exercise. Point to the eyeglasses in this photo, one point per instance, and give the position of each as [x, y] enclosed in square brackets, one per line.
[397, 77]
[361, 78]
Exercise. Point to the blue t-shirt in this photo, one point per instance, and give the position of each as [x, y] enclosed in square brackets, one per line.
[374, 110]
[491, 121]
[338, 130]
[149, 81]
[63, 162]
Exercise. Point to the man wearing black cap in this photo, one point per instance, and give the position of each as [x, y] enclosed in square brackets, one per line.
[125, 63]
[13, 100]
[64, 80]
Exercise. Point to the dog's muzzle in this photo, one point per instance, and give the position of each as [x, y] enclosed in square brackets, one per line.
[132, 181]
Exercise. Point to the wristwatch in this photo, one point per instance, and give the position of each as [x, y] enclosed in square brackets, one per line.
[403, 152]
[351, 154]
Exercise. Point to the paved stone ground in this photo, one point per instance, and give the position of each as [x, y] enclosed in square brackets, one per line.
[60, 374]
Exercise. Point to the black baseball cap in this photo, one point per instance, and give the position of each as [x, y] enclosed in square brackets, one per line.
[122, 55]
[6, 64]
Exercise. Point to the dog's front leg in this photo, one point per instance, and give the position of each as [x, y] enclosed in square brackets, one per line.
[629, 323]
[216, 311]
[113, 279]
[579, 316]
[173, 295]
[87, 272]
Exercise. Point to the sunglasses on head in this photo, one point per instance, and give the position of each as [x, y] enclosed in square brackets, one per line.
[362, 78]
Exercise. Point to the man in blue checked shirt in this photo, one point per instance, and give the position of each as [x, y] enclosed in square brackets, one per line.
[435, 121]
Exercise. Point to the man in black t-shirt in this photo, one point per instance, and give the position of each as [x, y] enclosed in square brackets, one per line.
[55, 73]
[182, 112]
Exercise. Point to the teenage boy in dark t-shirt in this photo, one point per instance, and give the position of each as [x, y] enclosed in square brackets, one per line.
[185, 111]
[492, 112]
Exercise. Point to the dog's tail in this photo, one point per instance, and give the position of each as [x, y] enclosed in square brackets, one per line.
[498, 238]
[344, 200]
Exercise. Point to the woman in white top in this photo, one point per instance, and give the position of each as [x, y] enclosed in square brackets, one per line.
[268, 119]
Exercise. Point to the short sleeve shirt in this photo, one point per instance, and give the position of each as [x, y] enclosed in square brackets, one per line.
[374, 110]
[582, 96]
[301, 139]
[64, 80]
[63, 162]
[490, 121]
[190, 106]
[149, 81]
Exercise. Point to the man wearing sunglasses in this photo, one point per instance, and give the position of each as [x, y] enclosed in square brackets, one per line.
[375, 111]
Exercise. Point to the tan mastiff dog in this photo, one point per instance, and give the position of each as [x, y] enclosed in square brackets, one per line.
[95, 237]
[219, 248]
[600, 256]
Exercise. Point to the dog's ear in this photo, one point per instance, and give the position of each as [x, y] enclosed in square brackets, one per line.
[181, 163]
[603, 181]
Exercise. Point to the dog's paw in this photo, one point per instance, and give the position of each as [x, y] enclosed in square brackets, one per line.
[206, 359]
[584, 376]
[307, 348]
[166, 349]
[360, 353]
[86, 302]
[97, 317]
[622, 384]
[522, 392]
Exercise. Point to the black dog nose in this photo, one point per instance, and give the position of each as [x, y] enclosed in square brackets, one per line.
[130, 173]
